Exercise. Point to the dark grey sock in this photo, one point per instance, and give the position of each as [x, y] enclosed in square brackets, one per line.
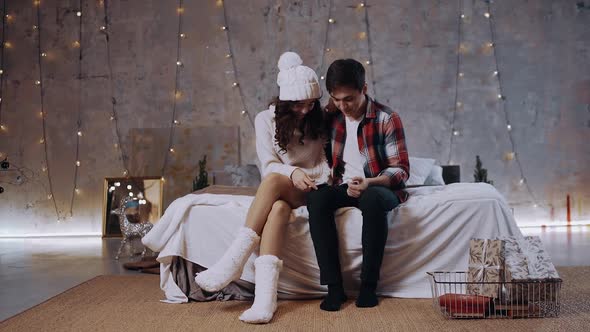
[335, 298]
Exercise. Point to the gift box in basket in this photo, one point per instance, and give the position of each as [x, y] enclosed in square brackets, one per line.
[486, 267]
[529, 272]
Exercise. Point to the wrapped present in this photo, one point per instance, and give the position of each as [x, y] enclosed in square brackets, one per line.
[529, 273]
[465, 306]
[486, 267]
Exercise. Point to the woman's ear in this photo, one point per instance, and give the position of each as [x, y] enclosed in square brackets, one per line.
[365, 88]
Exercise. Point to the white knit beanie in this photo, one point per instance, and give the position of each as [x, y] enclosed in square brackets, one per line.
[296, 82]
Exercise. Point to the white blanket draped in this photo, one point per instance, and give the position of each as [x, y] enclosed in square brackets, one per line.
[429, 232]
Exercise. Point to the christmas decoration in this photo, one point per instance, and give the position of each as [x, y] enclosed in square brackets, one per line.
[202, 180]
[480, 174]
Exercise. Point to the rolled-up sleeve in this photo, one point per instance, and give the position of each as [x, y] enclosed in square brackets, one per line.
[398, 164]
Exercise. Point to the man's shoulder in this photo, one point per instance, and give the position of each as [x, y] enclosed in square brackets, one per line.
[383, 111]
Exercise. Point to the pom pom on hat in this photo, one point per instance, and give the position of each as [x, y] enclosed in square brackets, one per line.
[289, 60]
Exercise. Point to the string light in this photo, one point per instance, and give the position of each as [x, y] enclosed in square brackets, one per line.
[331, 20]
[113, 116]
[2, 42]
[513, 154]
[46, 166]
[227, 56]
[456, 103]
[78, 45]
[177, 93]
[182, 35]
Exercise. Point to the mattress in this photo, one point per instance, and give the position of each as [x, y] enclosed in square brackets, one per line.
[429, 232]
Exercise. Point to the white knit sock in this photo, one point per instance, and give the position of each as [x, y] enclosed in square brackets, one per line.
[230, 265]
[268, 268]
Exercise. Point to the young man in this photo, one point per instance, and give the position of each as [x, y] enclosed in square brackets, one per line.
[370, 165]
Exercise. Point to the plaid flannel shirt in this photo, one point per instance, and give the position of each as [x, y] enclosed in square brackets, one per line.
[382, 144]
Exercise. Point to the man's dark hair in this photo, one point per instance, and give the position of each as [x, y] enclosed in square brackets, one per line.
[345, 73]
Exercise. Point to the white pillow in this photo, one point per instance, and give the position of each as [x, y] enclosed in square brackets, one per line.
[419, 170]
[435, 178]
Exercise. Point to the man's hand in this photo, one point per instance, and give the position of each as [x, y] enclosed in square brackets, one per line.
[357, 186]
[301, 181]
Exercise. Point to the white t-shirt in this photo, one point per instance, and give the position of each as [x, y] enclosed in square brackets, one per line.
[353, 159]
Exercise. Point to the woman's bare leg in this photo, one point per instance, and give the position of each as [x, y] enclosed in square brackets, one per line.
[275, 228]
[274, 187]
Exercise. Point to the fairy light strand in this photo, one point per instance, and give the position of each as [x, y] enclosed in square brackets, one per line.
[365, 6]
[79, 120]
[2, 60]
[325, 48]
[453, 131]
[523, 180]
[114, 115]
[176, 92]
[226, 29]
[39, 82]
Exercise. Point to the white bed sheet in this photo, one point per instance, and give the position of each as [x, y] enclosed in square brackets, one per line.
[429, 232]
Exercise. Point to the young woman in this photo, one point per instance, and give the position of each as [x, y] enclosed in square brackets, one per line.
[290, 138]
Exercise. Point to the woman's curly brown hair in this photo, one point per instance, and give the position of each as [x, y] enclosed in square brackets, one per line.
[312, 125]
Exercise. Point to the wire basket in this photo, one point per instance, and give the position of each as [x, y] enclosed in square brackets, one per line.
[455, 297]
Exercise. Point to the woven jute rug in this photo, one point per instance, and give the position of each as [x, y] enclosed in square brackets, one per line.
[131, 303]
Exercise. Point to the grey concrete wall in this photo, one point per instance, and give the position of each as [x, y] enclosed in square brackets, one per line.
[542, 51]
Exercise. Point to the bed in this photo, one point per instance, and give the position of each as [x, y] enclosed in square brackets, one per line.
[429, 232]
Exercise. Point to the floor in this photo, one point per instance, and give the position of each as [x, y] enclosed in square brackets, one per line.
[33, 270]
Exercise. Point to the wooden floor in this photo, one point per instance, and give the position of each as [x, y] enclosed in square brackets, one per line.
[33, 270]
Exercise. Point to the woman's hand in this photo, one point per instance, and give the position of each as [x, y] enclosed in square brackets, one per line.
[301, 181]
[357, 186]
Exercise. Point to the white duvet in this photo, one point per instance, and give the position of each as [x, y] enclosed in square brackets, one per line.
[429, 232]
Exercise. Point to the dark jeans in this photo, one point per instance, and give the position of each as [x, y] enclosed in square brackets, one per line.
[374, 204]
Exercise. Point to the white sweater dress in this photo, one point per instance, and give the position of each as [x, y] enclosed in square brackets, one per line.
[309, 156]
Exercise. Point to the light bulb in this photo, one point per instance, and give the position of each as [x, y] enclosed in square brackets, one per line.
[103, 28]
[521, 181]
[117, 184]
[509, 127]
[462, 15]
[129, 187]
[322, 77]
[361, 5]
[1, 71]
[44, 169]
[3, 127]
[367, 62]
[131, 194]
[37, 82]
[77, 162]
[487, 15]
[125, 172]
[456, 133]
[77, 190]
[79, 133]
[79, 13]
[178, 63]
[182, 35]
[76, 44]
[41, 141]
[228, 55]
[495, 72]
[44, 54]
[459, 104]
[172, 150]
[328, 49]
[235, 84]
[500, 96]
[460, 74]
[224, 28]
[490, 44]
[243, 112]
[176, 122]
[163, 179]
[331, 20]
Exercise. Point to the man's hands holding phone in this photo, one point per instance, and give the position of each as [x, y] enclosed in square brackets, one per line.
[357, 186]
[302, 182]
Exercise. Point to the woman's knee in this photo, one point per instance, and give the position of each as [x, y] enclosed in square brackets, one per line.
[280, 210]
[273, 181]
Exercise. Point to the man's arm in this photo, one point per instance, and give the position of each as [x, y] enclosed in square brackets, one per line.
[398, 169]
